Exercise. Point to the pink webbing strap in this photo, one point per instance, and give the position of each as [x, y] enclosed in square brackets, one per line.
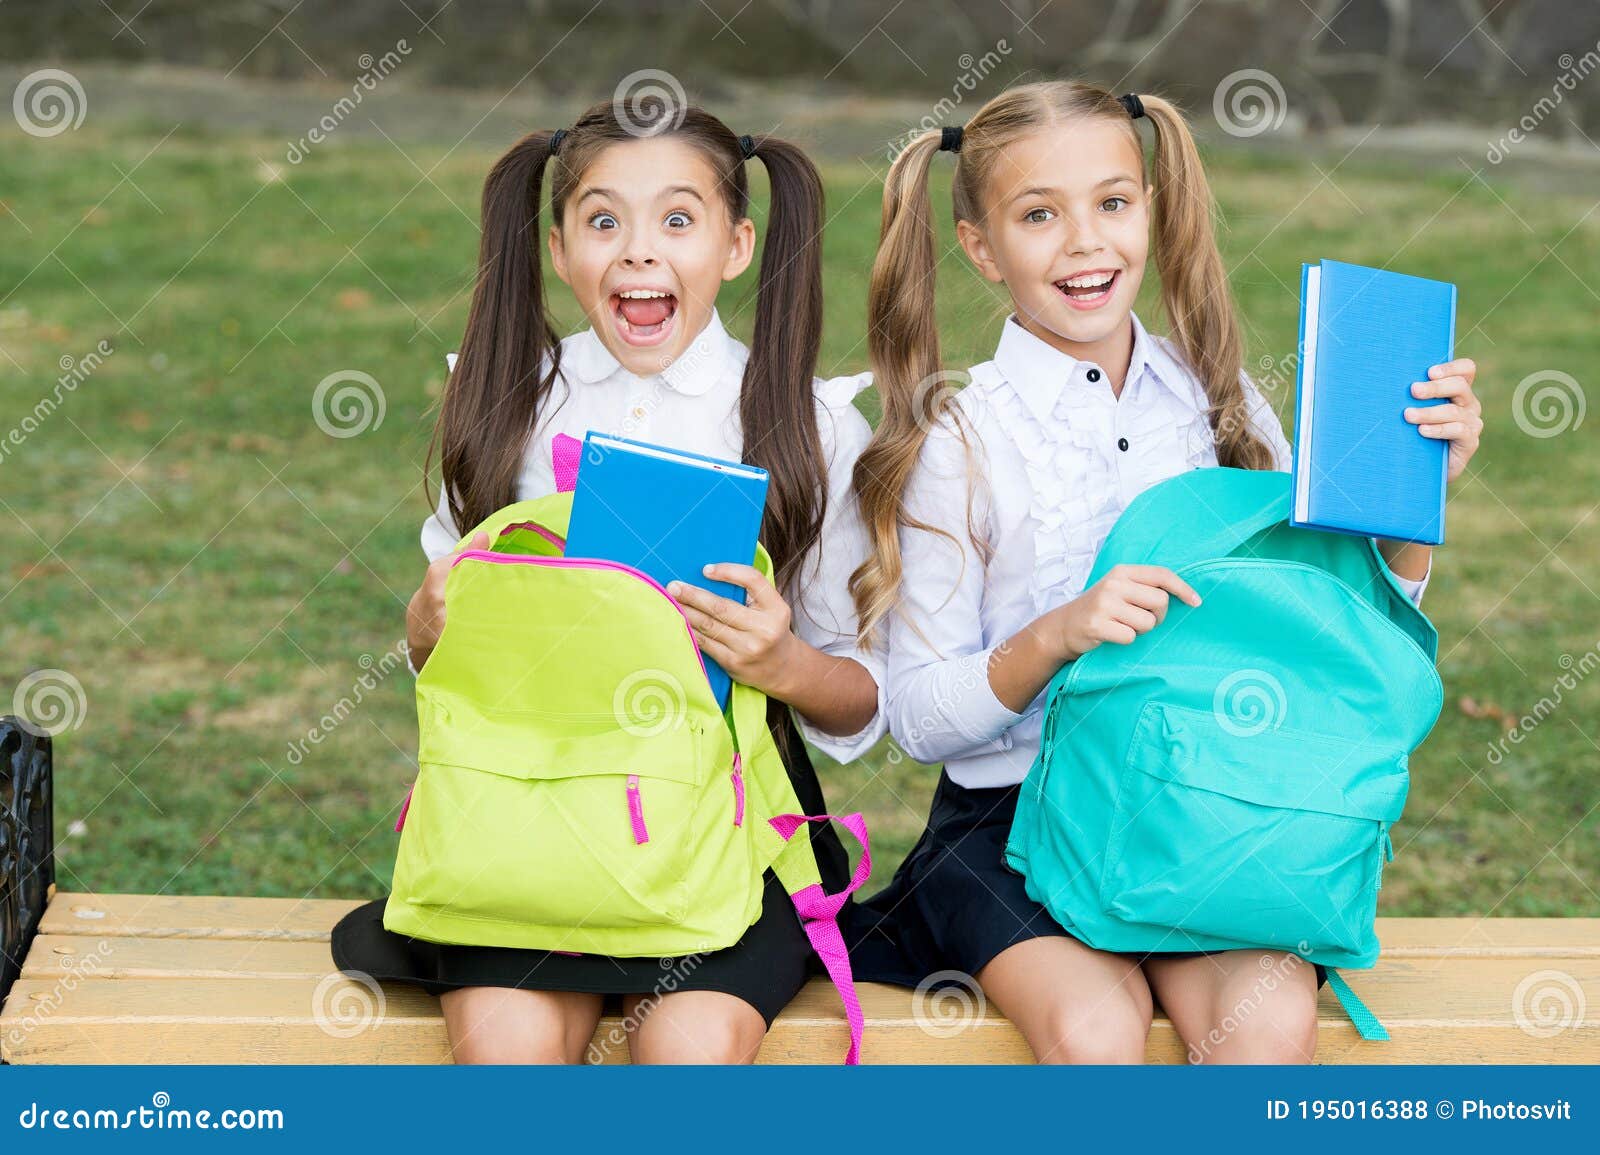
[404, 807]
[565, 454]
[819, 915]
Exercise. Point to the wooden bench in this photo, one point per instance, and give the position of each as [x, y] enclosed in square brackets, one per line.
[129, 978]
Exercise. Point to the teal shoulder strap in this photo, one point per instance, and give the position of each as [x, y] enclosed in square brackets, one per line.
[1366, 1023]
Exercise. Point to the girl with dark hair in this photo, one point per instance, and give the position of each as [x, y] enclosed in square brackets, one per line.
[649, 217]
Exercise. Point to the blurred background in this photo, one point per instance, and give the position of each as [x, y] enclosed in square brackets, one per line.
[237, 238]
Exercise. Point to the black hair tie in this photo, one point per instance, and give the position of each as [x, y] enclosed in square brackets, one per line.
[747, 147]
[1132, 103]
[950, 138]
[556, 138]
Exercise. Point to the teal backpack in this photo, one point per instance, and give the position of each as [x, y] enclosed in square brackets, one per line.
[1229, 779]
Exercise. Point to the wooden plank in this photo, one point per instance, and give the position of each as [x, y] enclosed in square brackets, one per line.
[116, 957]
[209, 916]
[1489, 937]
[1450, 1010]
[194, 916]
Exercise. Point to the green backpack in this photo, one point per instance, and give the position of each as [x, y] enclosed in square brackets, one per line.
[1229, 779]
[578, 788]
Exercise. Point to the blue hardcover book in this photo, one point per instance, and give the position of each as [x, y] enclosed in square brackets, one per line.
[1359, 466]
[668, 513]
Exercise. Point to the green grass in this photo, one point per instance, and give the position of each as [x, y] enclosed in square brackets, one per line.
[214, 569]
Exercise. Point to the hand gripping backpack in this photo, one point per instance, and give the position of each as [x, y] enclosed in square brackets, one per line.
[578, 789]
[1229, 779]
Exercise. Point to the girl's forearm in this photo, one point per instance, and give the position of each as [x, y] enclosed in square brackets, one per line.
[1023, 664]
[837, 695]
[1406, 559]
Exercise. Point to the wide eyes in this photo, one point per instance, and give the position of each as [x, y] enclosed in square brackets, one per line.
[1114, 204]
[1038, 216]
[605, 221]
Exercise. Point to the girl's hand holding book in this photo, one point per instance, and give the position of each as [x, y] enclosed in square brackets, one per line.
[1460, 421]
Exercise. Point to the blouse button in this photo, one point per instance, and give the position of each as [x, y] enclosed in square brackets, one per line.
[1094, 375]
[1122, 444]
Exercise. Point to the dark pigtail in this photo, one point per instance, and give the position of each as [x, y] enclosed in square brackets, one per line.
[498, 389]
[777, 401]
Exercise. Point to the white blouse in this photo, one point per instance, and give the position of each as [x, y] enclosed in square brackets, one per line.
[694, 405]
[1055, 458]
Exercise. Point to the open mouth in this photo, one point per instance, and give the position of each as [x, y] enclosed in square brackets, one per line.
[1089, 290]
[644, 316]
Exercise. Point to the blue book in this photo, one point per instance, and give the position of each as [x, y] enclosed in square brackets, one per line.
[1366, 335]
[667, 513]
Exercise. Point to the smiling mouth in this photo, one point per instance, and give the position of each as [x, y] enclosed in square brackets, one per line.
[1089, 290]
[644, 316]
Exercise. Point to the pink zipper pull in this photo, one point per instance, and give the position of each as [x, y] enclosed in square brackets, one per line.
[405, 808]
[636, 812]
[738, 789]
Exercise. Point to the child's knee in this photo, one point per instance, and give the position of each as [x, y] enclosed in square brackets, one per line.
[1113, 1029]
[1281, 1029]
[716, 1036]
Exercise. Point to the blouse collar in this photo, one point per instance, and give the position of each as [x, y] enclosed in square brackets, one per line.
[1038, 372]
[710, 357]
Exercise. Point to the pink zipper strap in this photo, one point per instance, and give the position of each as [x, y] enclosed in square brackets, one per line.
[636, 812]
[565, 455]
[738, 789]
[819, 915]
[405, 808]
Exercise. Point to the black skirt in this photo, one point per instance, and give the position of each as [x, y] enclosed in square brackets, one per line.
[954, 904]
[766, 968]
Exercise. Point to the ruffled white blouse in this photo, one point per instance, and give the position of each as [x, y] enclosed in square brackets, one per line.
[1051, 458]
[694, 405]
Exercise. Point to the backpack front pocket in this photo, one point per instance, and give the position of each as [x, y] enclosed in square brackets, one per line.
[1265, 836]
[567, 822]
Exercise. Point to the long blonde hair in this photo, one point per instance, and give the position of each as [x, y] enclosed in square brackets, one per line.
[903, 343]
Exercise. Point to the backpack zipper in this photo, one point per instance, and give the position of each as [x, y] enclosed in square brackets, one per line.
[636, 812]
[588, 563]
